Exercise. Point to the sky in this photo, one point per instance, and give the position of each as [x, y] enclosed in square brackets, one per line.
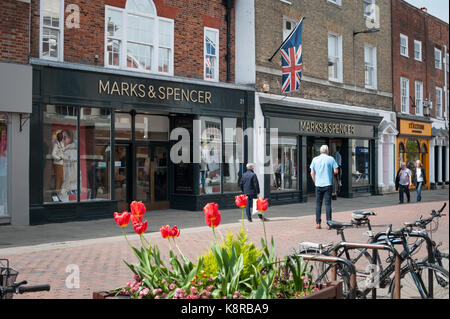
[437, 8]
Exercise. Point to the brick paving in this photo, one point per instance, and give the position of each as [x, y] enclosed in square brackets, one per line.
[101, 266]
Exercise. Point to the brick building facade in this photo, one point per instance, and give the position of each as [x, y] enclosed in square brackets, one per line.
[346, 79]
[15, 109]
[419, 76]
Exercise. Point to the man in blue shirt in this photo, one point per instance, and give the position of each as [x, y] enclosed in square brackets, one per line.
[322, 169]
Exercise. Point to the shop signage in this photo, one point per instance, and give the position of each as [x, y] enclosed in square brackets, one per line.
[158, 93]
[415, 128]
[327, 128]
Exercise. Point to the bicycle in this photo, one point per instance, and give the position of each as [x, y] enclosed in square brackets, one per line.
[8, 285]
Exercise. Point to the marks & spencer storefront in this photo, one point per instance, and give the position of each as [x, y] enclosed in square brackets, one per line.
[100, 140]
[302, 129]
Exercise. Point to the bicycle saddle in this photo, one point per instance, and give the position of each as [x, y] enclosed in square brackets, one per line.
[364, 213]
[338, 225]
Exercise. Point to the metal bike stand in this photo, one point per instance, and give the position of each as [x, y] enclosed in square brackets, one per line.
[375, 248]
[336, 260]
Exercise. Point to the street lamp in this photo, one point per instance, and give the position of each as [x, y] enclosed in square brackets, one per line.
[365, 31]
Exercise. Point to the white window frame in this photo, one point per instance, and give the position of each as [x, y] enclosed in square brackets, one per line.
[418, 97]
[436, 50]
[124, 41]
[420, 51]
[373, 50]
[339, 74]
[60, 30]
[446, 61]
[336, 2]
[405, 109]
[216, 71]
[439, 103]
[406, 54]
[293, 24]
[372, 14]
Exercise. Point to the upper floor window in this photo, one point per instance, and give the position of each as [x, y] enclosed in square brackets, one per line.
[136, 38]
[370, 61]
[51, 30]
[337, 2]
[211, 54]
[437, 59]
[404, 45]
[438, 102]
[288, 26]
[404, 94]
[335, 57]
[417, 50]
[369, 9]
[419, 97]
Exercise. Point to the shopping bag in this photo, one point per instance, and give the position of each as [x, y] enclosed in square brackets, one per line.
[254, 210]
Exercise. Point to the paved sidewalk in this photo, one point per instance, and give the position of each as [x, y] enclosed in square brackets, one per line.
[100, 260]
[19, 236]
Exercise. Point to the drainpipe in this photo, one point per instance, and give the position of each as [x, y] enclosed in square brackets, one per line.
[229, 4]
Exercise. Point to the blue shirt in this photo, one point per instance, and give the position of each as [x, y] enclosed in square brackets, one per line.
[323, 167]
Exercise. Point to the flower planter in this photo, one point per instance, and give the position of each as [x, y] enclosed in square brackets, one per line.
[333, 290]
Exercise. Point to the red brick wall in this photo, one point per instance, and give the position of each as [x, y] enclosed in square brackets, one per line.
[14, 31]
[432, 33]
[190, 17]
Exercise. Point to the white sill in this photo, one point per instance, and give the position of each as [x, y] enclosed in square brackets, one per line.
[286, 2]
[406, 56]
[335, 80]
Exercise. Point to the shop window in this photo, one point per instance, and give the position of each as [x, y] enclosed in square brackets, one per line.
[122, 126]
[3, 166]
[136, 38]
[233, 157]
[412, 153]
[361, 162]
[284, 159]
[210, 155]
[151, 127]
[60, 154]
[183, 174]
[95, 150]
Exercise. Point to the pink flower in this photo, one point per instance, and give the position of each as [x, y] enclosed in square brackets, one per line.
[194, 290]
[171, 286]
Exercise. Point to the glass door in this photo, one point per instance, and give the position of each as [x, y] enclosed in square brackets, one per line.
[143, 174]
[122, 190]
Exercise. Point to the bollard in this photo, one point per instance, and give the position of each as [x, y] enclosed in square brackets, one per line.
[374, 263]
[397, 278]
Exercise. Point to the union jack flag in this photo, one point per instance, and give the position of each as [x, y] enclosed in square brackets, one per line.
[292, 60]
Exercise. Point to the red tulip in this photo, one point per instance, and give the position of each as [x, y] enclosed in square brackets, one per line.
[140, 227]
[262, 204]
[175, 232]
[135, 219]
[165, 231]
[241, 201]
[122, 219]
[213, 222]
[137, 209]
[212, 214]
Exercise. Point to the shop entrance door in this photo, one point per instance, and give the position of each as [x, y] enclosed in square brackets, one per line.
[149, 183]
[314, 145]
[152, 175]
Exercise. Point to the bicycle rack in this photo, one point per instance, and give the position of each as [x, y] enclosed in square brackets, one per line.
[375, 248]
[333, 259]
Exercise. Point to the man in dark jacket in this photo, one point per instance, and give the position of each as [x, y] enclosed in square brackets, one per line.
[250, 187]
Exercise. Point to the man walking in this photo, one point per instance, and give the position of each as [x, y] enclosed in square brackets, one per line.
[250, 187]
[322, 169]
[403, 181]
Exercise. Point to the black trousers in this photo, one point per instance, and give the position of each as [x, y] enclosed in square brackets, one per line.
[403, 188]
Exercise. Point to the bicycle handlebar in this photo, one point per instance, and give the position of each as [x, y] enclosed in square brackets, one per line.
[23, 289]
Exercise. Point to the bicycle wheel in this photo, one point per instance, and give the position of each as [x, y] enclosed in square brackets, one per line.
[414, 283]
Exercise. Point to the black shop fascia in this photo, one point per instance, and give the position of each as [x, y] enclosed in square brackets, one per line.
[103, 138]
[302, 129]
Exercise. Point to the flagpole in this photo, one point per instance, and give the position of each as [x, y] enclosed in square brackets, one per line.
[270, 60]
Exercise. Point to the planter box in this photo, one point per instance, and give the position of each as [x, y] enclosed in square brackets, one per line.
[333, 290]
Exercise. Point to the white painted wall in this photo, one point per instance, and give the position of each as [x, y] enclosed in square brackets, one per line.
[245, 60]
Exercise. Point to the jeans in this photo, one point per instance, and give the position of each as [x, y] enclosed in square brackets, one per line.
[321, 194]
[419, 191]
[403, 188]
[249, 207]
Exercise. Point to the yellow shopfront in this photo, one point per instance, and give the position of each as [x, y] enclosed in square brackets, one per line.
[413, 143]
